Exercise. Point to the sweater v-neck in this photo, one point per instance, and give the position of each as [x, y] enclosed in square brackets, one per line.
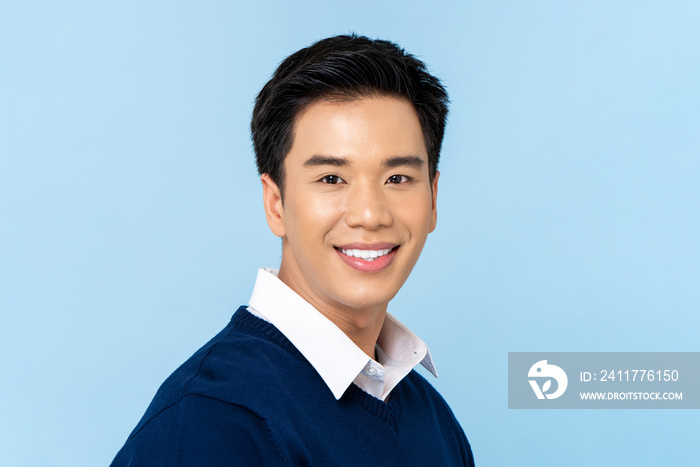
[386, 411]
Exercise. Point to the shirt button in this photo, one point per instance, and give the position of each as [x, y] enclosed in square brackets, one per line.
[370, 370]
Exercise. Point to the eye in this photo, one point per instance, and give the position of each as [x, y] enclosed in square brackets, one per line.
[332, 179]
[396, 179]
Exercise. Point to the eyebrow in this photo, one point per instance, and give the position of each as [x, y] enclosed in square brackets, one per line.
[326, 160]
[404, 161]
[391, 162]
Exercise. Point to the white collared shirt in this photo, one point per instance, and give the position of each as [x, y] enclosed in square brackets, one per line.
[329, 350]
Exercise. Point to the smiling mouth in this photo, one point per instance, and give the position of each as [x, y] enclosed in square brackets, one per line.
[371, 258]
[367, 255]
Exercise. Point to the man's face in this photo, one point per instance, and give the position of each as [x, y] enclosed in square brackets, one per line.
[358, 203]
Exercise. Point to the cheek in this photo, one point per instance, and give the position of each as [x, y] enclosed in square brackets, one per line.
[312, 216]
[416, 214]
[325, 209]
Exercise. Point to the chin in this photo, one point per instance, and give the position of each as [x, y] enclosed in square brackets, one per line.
[367, 299]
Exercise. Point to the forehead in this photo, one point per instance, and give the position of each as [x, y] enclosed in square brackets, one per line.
[360, 129]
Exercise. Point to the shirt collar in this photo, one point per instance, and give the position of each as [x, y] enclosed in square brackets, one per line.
[329, 350]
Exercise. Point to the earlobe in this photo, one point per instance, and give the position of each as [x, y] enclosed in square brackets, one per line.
[433, 219]
[272, 201]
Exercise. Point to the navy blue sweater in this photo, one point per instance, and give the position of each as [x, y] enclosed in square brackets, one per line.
[248, 397]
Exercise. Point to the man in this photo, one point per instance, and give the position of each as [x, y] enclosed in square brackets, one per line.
[347, 136]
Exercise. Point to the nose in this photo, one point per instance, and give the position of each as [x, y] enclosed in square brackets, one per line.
[367, 206]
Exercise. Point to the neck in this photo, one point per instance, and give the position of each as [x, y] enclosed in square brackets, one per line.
[361, 325]
[364, 331]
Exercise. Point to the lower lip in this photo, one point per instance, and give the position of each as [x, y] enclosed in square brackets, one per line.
[382, 262]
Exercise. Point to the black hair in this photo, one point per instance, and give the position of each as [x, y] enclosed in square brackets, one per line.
[343, 67]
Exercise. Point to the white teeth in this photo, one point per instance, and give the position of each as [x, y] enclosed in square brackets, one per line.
[367, 255]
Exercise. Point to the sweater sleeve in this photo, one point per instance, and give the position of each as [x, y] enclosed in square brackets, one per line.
[201, 431]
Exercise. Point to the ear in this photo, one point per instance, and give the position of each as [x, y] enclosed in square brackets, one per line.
[274, 210]
[433, 219]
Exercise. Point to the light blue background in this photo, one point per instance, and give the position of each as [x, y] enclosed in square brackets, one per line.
[131, 224]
